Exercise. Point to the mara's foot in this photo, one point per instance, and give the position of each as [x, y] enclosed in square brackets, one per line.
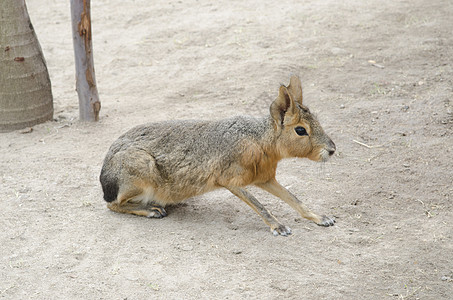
[326, 221]
[281, 230]
[157, 212]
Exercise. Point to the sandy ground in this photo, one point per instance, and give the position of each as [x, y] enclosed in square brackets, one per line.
[378, 74]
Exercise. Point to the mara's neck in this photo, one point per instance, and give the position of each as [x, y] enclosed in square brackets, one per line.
[269, 141]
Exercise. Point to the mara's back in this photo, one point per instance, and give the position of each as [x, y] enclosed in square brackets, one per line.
[175, 142]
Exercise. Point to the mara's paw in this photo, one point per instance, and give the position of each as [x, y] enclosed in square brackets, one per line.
[281, 230]
[157, 212]
[326, 221]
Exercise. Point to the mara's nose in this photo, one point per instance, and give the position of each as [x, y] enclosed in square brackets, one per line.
[332, 148]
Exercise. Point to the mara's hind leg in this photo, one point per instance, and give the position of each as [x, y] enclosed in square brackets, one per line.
[137, 202]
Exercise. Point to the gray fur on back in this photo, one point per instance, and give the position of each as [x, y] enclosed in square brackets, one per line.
[196, 140]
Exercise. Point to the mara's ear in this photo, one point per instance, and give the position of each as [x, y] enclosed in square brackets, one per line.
[283, 105]
[295, 89]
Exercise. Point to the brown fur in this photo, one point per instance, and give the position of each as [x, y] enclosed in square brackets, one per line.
[158, 164]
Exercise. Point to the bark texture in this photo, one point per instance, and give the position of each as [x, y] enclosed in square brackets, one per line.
[89, 104]
[25, 89]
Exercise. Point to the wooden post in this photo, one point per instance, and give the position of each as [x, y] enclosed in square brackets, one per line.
[89, 104]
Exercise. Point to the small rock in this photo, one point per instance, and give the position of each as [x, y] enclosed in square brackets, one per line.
[448, 277]
[131, 278]
[342, 106]
[26, 130]
[405, 108]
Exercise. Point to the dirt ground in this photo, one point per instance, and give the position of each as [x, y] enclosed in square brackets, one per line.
[378, 74]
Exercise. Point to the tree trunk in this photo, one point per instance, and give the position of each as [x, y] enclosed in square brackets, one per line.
[25, 90]
[89, 104]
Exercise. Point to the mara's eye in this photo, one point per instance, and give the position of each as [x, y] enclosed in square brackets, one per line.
[300, 130]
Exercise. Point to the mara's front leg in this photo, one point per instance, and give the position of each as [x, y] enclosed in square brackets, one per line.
[275, 188]
[276, 227]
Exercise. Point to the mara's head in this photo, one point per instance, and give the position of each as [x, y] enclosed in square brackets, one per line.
[299, 133]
